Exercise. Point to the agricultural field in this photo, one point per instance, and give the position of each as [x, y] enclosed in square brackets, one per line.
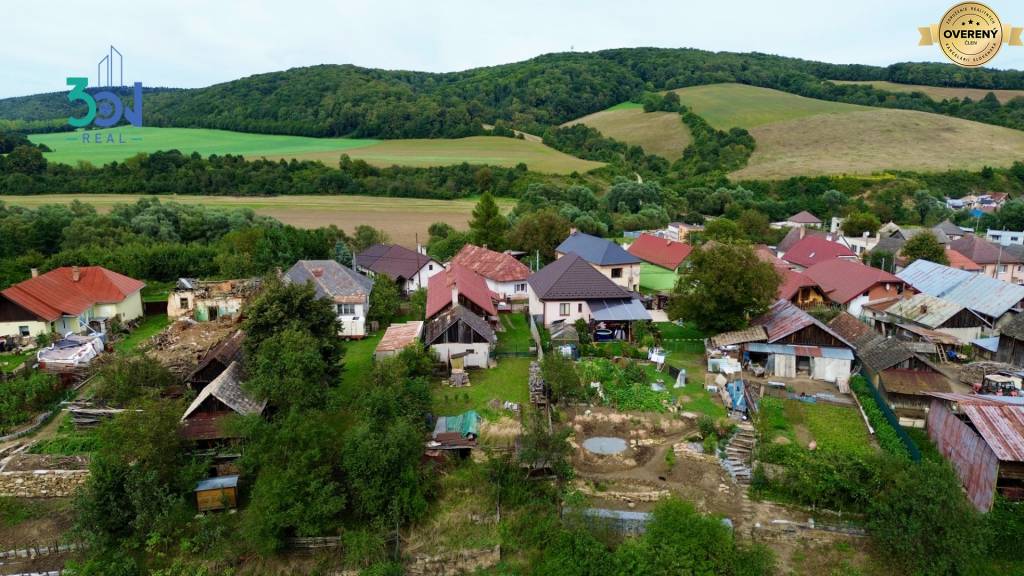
[938, 92]
[69, 148]
[404, 219]
[660, 133]
[803, 136]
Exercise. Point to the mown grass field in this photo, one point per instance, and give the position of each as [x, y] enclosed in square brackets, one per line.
[938, 92]
[660, 133]
[69, 148]
[727, 105]
[404, 219]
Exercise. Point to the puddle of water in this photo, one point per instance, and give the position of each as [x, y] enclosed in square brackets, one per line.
[605, 445]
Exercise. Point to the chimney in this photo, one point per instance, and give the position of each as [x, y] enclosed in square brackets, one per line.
[455, 294]
[420, 249]
[35, 272]
[803, 231]
[318, 272]
[76, 273]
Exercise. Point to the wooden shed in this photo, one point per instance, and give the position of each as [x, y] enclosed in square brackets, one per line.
[219, 493]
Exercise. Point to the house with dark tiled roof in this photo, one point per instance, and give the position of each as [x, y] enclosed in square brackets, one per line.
[410, 269]
[348, 291]
[457, 334]
[607, 257]
[570, 289]
[662, 261]
[66, 300]
[852, 284]
[1004, 263]
[505, 275]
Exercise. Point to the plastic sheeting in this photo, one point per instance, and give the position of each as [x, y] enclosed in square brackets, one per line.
[830, 369]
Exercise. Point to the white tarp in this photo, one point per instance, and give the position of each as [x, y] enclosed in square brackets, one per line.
[830, 369]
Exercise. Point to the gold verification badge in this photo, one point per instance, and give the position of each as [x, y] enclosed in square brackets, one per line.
[970, 34]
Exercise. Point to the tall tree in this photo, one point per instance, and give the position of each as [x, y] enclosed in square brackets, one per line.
[723, 287]
[384, 300]
[489, 226]
[858, 223]
[924, 246]
[540, 232]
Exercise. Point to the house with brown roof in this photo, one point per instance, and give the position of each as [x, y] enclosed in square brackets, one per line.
[799, 220]
[505, 275]
[797, 343]
[398, 337]
[410, 269]
[460, 337]
[983, 438]
[460, 286]
[814, 249]
[851, 284]
[1004, 263]
[570, 289]
[348, 291]
[662, 261]
[204, 422]
[66, 300]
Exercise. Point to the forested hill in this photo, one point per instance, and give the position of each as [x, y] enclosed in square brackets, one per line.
[346, 100]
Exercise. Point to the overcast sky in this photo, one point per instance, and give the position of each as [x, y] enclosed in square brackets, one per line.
[197, 43]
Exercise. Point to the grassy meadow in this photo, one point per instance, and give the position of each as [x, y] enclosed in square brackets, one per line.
[660, 133]
[938, 92]
[74, 147]
[404, 219]
[727, 105]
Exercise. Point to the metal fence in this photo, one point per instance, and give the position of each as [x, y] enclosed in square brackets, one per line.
[892, 419]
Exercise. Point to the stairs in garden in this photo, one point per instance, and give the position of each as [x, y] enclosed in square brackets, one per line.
[738, 453]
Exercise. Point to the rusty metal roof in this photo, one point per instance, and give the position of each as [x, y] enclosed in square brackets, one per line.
[1001, 426]
[785, 318]
[914, 382]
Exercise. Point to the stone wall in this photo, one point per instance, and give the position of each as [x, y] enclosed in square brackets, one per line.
[452, 563]
[42, 483]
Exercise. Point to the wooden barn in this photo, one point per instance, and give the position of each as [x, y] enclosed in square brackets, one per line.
[1011, 342]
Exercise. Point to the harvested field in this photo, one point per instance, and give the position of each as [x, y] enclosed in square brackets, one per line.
[874, 140]
[402, 218]
[938, 92]
[660, 133]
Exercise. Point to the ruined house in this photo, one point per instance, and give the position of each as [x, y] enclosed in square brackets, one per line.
[205, 300]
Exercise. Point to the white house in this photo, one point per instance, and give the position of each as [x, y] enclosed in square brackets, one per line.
[607, 257]
[505, 275]
[346, 288]
[411, 269]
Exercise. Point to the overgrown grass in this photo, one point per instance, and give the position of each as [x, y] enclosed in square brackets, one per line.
[148, 327]
[836, 427]
[10, 361]
[68, 441]
[359, 360]
[516, 337]
[507, 381]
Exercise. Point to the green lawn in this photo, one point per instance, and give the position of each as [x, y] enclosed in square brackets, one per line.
[508, 381]
[626, 106]
[147, 328]
[516, 337]
[359, 359]
[11, 361]
[832, 427]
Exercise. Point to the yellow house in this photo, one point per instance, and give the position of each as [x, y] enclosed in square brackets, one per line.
[69, 299]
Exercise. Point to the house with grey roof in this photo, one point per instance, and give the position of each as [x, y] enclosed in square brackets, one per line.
[204, 422]
[607, 257]
[410, 269]
[570, 289]
[996, 301]
[460, 338]
[348, 290]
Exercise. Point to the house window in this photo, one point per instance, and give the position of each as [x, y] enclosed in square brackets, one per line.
[521, 287]
[563, 309]
[1002, 268]
[579, 308]
[346, 309]
[183, 303]
[23, 330]
[616, 272]
[430, 267]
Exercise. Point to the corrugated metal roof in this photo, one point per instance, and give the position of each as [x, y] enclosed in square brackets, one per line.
[1001, 426]
[932, 278]
[618, 310]
[753, 334]
[925, 309]
[785, 318]
[217, 483]
[991, 344]
[913, 382]
[813, 351]
[987, 296]
[398, 336]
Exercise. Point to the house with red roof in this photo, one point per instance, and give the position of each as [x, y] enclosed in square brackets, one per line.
[961, 262]
[662, 261]
[852, 284]
[801, 289]
[71, 299]
[504, 275]
[813, 249]
[460, 286]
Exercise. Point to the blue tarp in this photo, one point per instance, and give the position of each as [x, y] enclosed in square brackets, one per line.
[735, 390]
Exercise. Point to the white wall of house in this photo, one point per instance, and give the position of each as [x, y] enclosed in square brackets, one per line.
[479, 357]
[420, 279]
[515, 290]
[965, 334]
[554, 310]
[628, 275]
[353, 320]
[33, 327]
[128, 309]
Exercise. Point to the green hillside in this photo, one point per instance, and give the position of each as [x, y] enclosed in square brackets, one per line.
[728, 105]
[660, 133]
[70, 148]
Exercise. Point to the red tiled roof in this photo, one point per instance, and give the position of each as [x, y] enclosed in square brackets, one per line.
[813, 249]
[792, 282]
[958, 260]
[471, 286]
[659, 251]
[497, 266]
[55, 293]
[804, 217]
[844, 280]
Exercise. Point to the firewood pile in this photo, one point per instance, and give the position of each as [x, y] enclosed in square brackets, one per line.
[538, 388]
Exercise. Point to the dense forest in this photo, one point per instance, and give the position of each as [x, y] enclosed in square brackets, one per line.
[346, 100]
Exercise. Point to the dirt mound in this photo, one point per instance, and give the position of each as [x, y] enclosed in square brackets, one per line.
[185, 342]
